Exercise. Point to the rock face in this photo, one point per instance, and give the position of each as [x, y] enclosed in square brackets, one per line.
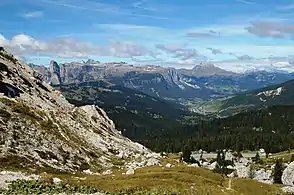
[288, 175]
[39, 128]
[55, 73]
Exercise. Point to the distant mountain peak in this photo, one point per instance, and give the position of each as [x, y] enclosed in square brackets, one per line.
[209, 69]
[91, 61]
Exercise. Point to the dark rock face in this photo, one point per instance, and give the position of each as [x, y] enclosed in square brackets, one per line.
[9, 90]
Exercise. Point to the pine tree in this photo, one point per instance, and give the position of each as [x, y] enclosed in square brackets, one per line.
[218, 157]
[278, 172]
[186, 154]
[257, 158]
[251, 173]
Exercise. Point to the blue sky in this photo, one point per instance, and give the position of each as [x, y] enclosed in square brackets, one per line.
[236, 35]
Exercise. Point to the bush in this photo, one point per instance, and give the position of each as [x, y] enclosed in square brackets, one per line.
[40, 187]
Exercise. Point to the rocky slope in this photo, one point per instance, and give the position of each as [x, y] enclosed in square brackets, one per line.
[204, 81]
[39, 128]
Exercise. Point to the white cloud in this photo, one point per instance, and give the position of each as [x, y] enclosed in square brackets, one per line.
[35, 14]
[65, 47]
[189, 54]
[171, 48]
[270, 29]
[256, 64]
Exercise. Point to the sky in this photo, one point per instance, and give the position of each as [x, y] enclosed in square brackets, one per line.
[236, 35]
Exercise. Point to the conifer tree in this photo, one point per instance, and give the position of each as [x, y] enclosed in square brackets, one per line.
[278, 171]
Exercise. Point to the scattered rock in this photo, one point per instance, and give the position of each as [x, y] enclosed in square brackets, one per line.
[264, 176]
[152, 161]
[88, 171]
[242, 171]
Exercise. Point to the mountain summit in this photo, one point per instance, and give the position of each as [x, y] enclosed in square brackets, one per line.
[209, 69]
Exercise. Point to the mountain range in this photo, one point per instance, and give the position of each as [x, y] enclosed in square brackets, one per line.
[204, 81]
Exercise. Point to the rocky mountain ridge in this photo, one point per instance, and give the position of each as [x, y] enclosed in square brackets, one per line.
[204, 81]
[39, 128]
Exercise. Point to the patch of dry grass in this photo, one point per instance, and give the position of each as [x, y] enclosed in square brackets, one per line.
[179, 179]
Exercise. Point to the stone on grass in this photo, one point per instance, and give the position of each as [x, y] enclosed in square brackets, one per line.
[56, 180]
[168, 165]
[130, 172]
[107, 172]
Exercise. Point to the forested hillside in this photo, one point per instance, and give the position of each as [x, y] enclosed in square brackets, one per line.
[270, 128]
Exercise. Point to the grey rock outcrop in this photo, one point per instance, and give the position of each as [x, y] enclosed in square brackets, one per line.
[288, 175]
[55, 73]
[40, 128]
[264, 176]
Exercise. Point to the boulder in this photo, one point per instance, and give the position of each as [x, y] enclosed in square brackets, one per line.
[288, 175]
[56, 180]
[130, 172]
[107, 172]
[212, 166]
[168, 165]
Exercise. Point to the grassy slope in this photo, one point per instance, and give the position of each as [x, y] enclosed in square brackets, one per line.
[179, 179]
